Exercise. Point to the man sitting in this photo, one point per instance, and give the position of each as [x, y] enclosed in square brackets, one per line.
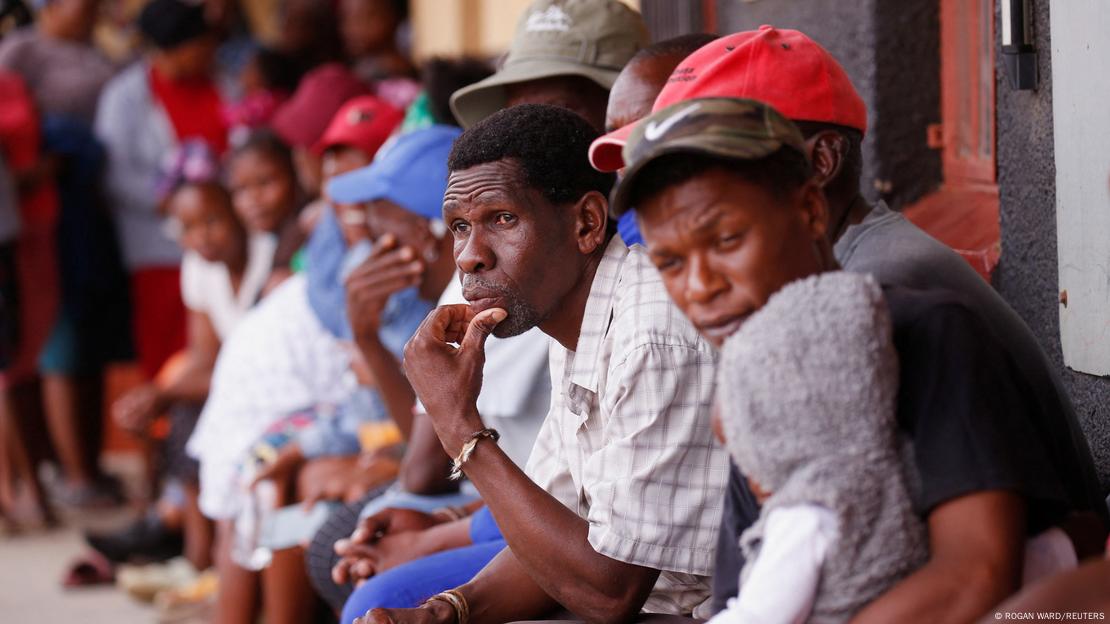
[731, 213]
[618, 507]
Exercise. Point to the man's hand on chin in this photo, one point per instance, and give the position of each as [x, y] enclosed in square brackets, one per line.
[434, 612]
[448, 378]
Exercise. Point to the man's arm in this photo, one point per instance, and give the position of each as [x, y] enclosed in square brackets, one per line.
[549, 541]
[388, 270]
[976, 545]
[425, 467]
[501, 592]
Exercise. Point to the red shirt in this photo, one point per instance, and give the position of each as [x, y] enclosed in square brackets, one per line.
[194, 109]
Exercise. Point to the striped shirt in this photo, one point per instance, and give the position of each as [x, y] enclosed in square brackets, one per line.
[627, 443]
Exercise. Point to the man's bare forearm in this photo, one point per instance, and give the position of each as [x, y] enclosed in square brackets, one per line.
[504, 591]
[976, 545]
[551, 543]
[393, 386]
[936, 594]
[425, 468]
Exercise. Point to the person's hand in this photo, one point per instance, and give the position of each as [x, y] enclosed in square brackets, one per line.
[344, 479]
[288, 461]
[134, 410]
[353, 551]
[434, 612]
[390, 268]
[392, 521]
[360, 562]
[447, 379]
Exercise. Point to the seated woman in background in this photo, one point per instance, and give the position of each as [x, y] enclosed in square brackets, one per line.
[225, 266]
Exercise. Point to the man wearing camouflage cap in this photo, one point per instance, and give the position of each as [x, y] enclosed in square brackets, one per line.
[565, 53]
[731, 211]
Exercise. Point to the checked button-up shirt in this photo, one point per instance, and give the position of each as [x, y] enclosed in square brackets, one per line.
[628, 444]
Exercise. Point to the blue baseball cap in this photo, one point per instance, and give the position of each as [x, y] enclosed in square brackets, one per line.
[412, 173]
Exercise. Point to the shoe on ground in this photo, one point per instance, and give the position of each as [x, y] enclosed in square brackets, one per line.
[147, 540]
[192, 602]
[105, 492]
[145, 582]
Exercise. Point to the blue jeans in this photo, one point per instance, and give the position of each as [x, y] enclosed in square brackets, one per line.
[409, 585]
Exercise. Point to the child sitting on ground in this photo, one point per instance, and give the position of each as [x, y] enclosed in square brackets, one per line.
[806, 393]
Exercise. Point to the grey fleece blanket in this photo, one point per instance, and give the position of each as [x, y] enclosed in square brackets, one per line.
[806, 391]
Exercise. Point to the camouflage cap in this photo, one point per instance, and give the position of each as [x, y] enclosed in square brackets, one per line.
[728, 128]
[593, 39]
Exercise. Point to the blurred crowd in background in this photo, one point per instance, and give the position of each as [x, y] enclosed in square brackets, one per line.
[161, 171]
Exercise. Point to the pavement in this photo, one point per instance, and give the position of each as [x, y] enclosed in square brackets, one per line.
[33, 563]
[31, 569]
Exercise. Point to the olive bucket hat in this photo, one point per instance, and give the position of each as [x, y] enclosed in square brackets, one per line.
[593, 39]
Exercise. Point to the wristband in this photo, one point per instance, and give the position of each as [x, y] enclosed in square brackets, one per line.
[468, 450]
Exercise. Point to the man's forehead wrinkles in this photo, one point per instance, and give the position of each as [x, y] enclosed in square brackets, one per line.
[479, 191]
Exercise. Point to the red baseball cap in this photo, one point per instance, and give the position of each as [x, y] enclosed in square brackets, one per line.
[364, 122]
[783, 68]
[302, 120]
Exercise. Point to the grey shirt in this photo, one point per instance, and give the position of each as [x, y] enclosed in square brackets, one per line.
[65, 77]
[137, 134]
[897, 252]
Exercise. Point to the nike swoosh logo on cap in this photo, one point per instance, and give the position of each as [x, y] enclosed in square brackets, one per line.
[654, 130]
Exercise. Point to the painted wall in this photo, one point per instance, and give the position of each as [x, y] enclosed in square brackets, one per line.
[474, 27]
[891, 52]
[1082, 129]
[1027, 273]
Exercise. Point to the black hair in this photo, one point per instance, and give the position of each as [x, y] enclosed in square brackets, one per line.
[442, 76]
[400, 9]
[682, 45]
[217, 189]
[549, 144]
[14, 12]
[279, 70]
[782, 172]
[267, 143]
[847, 183]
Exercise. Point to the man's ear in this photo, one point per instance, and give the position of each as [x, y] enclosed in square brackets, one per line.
[591, 221]
[828, 150]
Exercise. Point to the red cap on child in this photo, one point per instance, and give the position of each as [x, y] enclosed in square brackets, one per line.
[783, 68]
[365, 122]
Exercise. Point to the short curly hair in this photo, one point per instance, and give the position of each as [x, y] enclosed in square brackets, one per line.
[549, 144]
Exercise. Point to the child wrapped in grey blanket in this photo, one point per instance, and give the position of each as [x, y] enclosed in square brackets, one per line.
[807, 390]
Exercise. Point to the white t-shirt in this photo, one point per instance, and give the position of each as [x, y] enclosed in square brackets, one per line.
[279, 359]
[783, 582]
[786, 575]
[206, 286]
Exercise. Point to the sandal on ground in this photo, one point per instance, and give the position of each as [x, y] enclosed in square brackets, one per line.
[89, 570]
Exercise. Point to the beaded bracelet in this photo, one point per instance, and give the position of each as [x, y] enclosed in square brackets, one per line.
[454, 598]
[468, 450]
